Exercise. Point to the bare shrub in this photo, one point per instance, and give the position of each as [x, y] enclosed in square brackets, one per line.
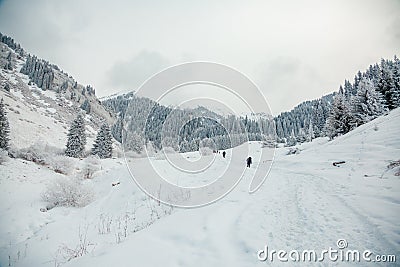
[83, 247]
[91, 165]
[40, 152]
[67, 192]
[61, 164]
[33, 154]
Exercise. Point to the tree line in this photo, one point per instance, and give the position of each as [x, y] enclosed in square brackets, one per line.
[372, 93]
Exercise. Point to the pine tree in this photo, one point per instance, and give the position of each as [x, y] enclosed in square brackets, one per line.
[367, 104]
[339, 120]
[103, 144]
[310, 135]
[394, 91]
[348, 89]
[134, 142]
[86, 106]
[387, 85]
[4, 128]
[76, 138]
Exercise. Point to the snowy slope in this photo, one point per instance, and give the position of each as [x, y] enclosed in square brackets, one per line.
[306, 203]
[35, 114]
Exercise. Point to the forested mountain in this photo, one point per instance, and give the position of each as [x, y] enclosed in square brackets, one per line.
[372, 93]
[305, 121]
[184, 130]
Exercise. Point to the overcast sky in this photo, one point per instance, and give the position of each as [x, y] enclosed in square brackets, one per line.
[293, 50]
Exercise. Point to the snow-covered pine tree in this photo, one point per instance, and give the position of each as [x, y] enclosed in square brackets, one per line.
[134, 142]
[387, 85]
[310, 135]
[348, 89]
[7, 87]
[9, 62]
[367, 104]
[86, 106]
[4, 128]
[291, 140]
[102, 146]
[76, 138]
[339, 120]
[395, 90]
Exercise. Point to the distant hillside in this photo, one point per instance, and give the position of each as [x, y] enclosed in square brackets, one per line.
[144, 121]
[373, 93]
[41, 99]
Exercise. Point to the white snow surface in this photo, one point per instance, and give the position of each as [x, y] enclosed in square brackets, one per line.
[305, 203]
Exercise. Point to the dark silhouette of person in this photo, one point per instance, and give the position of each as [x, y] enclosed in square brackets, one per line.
[249, 162]
[223, 154]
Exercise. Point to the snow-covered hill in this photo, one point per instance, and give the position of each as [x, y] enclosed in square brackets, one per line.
[306, 203]
[35, 113]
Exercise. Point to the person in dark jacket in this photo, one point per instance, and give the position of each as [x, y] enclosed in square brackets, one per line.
[223, 154]
[249, 162]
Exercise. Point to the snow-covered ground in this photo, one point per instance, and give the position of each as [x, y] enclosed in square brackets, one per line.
[306, 203]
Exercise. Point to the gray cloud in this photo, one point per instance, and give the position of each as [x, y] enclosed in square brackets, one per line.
[130, 74]
[287, 81]
[394, 30]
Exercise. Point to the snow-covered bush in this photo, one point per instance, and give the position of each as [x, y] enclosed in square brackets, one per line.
[92, 164]
[61, 164]
[40, 152]
[134, 142]
[3, 156]
[68, 192]
[205, 151]
[160, 156]
[33, 153]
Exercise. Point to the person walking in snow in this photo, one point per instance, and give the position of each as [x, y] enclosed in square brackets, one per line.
[223, 154]
[249, 162]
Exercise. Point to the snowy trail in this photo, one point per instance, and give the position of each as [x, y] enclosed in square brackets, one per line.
[305, 204]
[294, 210]
[322, 210]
